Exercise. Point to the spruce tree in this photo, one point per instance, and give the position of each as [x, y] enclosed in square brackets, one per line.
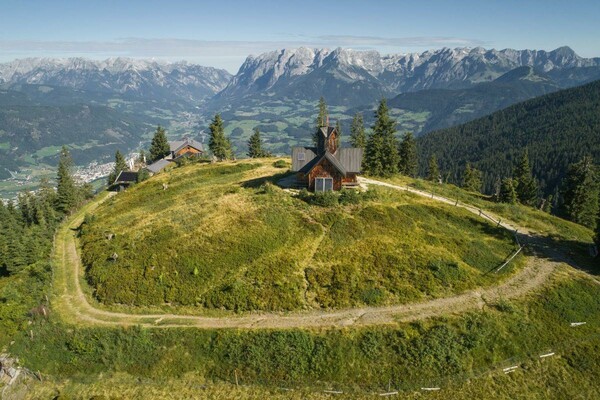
[120, 165]
[580, 193]
[357, 132]
[66, 192]
[218, 144]
[381, 158]
[433, 170]
[159, 147]
[471, 179]
[320, 121]
[408, 155]
[255, 145]
[508, 193]
[524, 182]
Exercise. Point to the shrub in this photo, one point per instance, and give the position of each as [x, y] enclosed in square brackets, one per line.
[280, 164]
[143, 175]
[325, 199]
[349, 197]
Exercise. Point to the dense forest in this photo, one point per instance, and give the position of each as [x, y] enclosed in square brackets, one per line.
[558, 129]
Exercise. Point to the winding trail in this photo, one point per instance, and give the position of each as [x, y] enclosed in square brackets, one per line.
[72, 303]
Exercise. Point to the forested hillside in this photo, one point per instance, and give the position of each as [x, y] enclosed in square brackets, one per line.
[447, 107]
[558, 129]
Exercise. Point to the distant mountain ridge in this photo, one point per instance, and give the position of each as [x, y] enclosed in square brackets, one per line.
[346, 76]
[125, 76]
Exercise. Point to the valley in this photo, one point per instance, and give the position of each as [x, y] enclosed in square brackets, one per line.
[118, 102]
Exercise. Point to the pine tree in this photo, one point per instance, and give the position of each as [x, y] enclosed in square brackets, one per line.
[524, 182]
[320, 121]
[433, 170]
[120, 165]
[580, 193]
[357, 132]
[159, 147]
[472, 179]
[381, 158]
[508, 193]
[255, 145]
[218, 144]
[408, 155]
[66, 192]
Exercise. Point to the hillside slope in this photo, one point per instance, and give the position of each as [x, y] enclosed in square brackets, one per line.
[447, 107]
[218, 238]
[557, 129]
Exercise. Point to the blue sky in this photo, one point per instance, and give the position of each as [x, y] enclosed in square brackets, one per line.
[222, 33]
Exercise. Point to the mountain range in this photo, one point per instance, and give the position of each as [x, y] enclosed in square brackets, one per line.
[349, 77]
[96, 107]
[129, 77]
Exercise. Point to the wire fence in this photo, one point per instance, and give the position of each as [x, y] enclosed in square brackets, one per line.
[457, 203]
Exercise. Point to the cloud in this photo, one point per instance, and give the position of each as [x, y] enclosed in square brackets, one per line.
[222, 54]
[403, 42]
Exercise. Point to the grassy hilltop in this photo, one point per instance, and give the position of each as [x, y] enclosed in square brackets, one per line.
[222, 236]
[462, 353]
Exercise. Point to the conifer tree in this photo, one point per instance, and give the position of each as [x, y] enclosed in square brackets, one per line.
[408, 155]
[120, 165]
[255, 145]
[357, 132]
[580, 193]
[433, 170]
[524, 182]
[472, 179]
[320, 121]
[218, 144]
[66, 191]
[381, 158]
[159, 147]
[508, 193]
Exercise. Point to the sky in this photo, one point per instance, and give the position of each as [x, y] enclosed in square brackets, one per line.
[223, 33]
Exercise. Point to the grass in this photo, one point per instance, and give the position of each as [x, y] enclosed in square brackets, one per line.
[527, 217]
[463, 355]
[220, 239]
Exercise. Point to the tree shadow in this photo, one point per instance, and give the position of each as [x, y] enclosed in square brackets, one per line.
[258, 182]
[574, 253]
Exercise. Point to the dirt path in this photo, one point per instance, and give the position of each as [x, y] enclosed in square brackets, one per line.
[72, 303]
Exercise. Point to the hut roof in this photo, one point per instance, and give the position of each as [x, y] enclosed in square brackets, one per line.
[126, 177]
[157, 166]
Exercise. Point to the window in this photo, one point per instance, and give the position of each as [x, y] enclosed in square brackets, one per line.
[323, 184]
[301, 157]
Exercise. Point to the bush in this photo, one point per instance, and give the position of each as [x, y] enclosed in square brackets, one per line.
[325, 199]
[280, 164]
[143, 175]
[349, 197]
